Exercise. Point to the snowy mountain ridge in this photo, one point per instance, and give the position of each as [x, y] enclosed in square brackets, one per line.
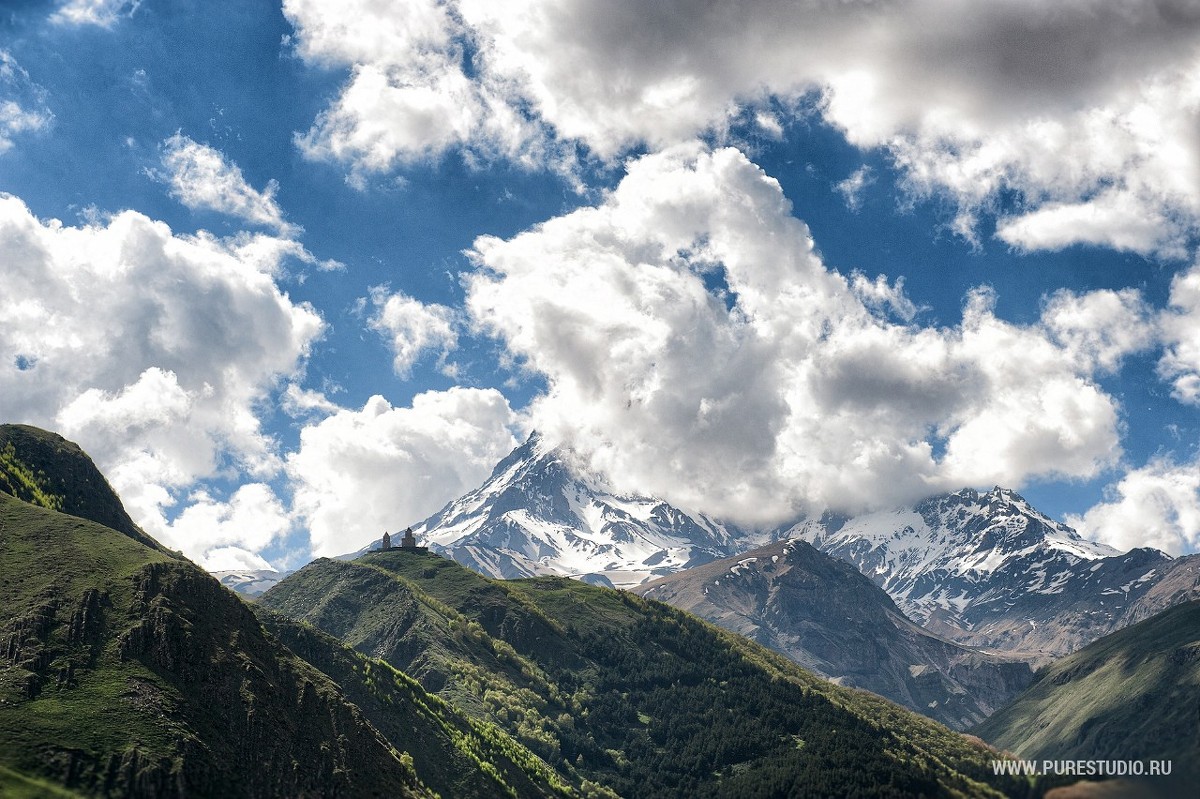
[982, 569]
[989, 570]
[539, 513]
[942, 551]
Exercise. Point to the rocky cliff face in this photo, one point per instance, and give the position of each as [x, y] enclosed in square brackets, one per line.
[258, 709]
[828, 617]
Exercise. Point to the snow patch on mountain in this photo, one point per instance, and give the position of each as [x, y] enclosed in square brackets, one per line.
[250, 582]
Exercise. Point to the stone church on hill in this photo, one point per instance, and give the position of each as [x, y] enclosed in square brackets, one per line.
[408, 542]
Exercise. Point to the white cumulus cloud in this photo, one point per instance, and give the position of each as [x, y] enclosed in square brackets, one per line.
[852, 187]
[382, 468]
[1100, 327]
[201, 177]
[788, 389]
[1181, 333]
[1157, 505]
[413, 328]
[409, 96]
[103, 13]
[154, 351]
[1084, 109]
[22, 103]
[230, 533]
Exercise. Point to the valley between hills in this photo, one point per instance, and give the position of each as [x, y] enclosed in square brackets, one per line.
[561, 639]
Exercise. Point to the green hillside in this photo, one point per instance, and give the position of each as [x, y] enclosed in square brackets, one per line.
[1130, 695]
[124, 672]
[127, 671]
[456, 756]
[629, 694]
[45, 469]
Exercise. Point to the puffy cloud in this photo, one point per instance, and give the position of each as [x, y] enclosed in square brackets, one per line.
[22, 103]
[103, 13]
[879, 295]
[1085, 109]
[230, 531]
[1181, 334]
[1100, 327]
[413, 328]
[200, 177]
[695, 346]
[235, 559]
[152, 350]
[359, 473]
[297, 402]
[409, 96]
[1157, 505]
[1115, 218]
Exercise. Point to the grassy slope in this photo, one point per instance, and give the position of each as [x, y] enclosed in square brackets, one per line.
[455, 755]
[125, 672]
[1131, 695]
[45, 469]
[619, 691]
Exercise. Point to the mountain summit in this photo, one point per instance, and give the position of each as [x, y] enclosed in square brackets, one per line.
[988, 569]
[539, 513]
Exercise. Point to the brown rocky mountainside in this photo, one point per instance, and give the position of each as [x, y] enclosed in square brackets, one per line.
[825, 615]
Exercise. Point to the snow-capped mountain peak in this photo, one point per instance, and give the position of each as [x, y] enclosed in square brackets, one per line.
[983, 568]
[964, 537]
[541, 513]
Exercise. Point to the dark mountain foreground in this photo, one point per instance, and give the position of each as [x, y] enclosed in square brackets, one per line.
[127, 671]
[1132, 695]
[824, 614]
[625, 695]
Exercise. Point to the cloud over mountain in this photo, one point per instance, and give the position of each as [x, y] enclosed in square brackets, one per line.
[359, 473]
[696, 347]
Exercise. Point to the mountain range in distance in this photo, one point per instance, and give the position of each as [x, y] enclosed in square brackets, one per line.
[825, 615]
[981, 569]
[126, 670]
[989, 570]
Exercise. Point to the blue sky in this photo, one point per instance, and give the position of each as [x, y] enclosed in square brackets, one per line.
[318, 266]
